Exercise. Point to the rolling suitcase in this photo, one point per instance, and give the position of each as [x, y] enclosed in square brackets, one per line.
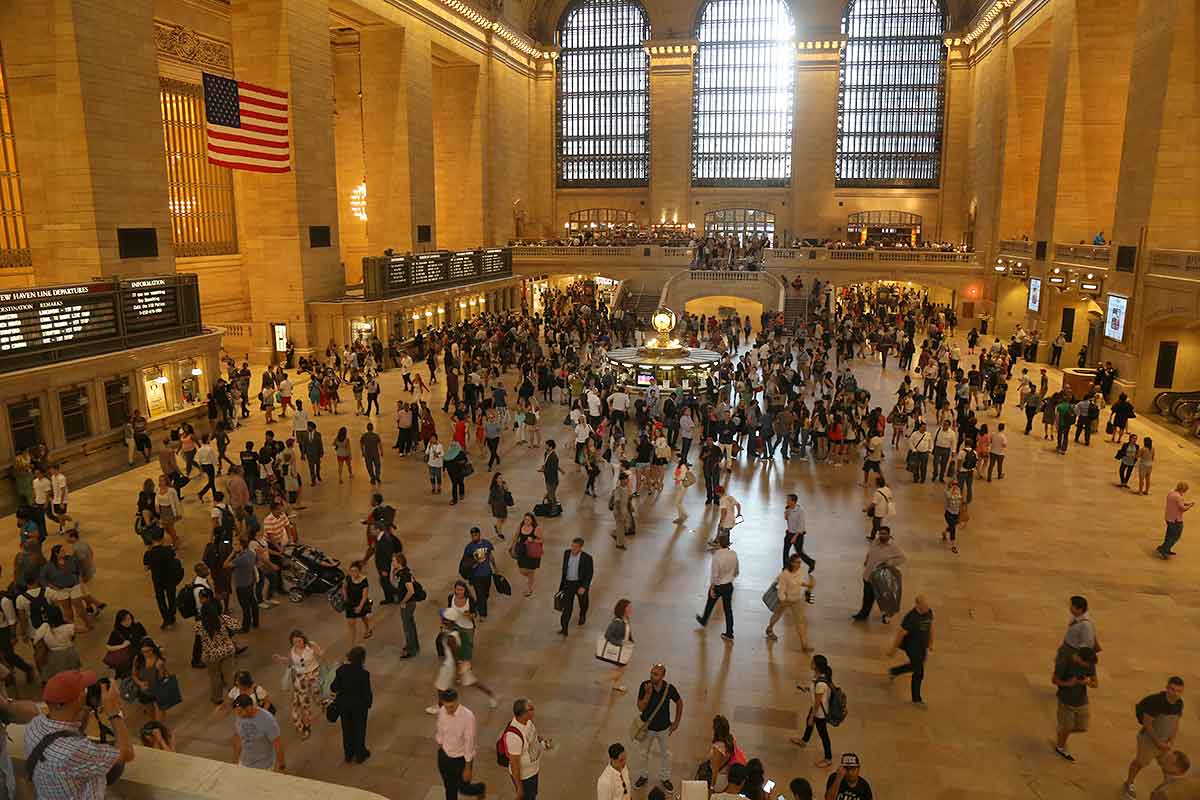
[888, 586]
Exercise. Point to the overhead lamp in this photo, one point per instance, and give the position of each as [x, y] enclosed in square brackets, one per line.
[1090, 287]
[462, 303]
[1000, 267]
[416, 316]
[197, 371]
[428, 313]
[481, 301]
[161, 379]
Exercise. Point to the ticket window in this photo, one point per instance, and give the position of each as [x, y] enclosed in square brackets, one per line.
[116, 403]
[192, 382]
[74, 406]
[25, 424]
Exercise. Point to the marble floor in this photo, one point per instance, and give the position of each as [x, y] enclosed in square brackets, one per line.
[1055, 526]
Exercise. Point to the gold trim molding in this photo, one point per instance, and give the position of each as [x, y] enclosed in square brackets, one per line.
[178, 43]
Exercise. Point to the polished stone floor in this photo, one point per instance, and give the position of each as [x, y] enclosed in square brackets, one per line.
[1056, 526]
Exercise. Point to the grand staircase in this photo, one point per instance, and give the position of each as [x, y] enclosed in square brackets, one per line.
[795, 311]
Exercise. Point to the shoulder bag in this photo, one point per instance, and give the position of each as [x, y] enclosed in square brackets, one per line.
[639, 727]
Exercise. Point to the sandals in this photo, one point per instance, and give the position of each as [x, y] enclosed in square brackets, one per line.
[368, 634]
[771, 636]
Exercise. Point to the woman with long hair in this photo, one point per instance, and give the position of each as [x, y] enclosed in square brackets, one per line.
[123, 643]
[528, 547]
[61, 577]
[149, 670]
[1145, 465]
[724, 749]
[304, 661]
[499, 499]
[820, 687]
[216, 646]
[620, 633]
[341, 449]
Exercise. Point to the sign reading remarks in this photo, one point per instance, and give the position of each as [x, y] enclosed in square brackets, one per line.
[1114, 317]
[1035, 294]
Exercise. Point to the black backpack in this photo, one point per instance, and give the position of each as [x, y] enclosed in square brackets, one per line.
[185, 601]
[38, 606]
[228, 523]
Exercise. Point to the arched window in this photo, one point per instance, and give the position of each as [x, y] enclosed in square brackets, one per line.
[742, 222]
[600, 218]
[892, 94]
[603, 94]
[14, 241]
[744, 71]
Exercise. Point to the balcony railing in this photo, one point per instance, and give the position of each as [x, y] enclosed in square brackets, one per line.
[723, 275]
[1176, 263]
[1016, 247]
[678, 257]
[1090, 254]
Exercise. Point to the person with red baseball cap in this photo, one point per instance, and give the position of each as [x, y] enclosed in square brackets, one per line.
[61, 761]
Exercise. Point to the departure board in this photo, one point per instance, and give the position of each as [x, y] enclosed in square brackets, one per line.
[393, 275]
[57, 315]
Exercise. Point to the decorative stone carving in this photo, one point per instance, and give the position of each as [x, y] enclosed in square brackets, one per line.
[184, 44]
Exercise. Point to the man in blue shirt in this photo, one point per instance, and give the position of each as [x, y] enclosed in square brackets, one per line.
[479, 563]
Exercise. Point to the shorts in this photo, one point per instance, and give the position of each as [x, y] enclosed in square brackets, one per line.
[60, 509]
[1147, 751]
[62, 595]
[871, 466]
[343, 459]
[286, 402]
[1073, 719]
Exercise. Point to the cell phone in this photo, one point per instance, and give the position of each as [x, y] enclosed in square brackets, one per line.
[768, 785]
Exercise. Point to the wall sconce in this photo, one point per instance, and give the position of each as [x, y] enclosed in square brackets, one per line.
[428, 313]
[416, 316]
[472, 301]
[161, 379]
[481, 301]
[197, 371]
[462, 303]
[358, 201]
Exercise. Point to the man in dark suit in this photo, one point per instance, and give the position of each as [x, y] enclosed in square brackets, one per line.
[576, 581]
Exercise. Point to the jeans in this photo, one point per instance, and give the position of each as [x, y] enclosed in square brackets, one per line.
[373, 466]
[941, 455]
[451, 770]
[245, 596]
[493, 457]
[390, 594]
[412, 645]
[552, 493]
[458, 488]
[951, 524]
[823, 731]
[920, 467]
[314, 470]
[210, 472]
[1064, 437]
[354, 731]
[712, 479]
[661, 739]
[10, 655]
[1030, 413]
[1084, 426]
[1125, 471]
[1173, 535]
[722, 591]
[995, 460]
[966, 479]
[530, 787]
[798, 546]
[868, 601]
[684, 449]
[570, 591]
[164, 595]
[915, 665]
[216, 678]
[482, 584]
[372, 399]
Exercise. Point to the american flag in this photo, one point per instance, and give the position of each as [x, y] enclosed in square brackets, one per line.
[247, 125]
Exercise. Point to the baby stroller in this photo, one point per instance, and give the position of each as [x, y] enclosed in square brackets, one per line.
[307, 571]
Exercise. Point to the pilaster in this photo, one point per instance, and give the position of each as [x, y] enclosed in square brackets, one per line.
[671, 129]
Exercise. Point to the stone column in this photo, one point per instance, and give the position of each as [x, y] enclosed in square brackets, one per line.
[397, 70]
[814, 209]
[83, 80]
[542, 220]
[348, 144]
[284, 45]
[671, 130]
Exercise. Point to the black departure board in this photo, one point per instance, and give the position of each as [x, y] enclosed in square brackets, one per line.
[51, 323]
[389, 276]
[149, 303]
[32, 319]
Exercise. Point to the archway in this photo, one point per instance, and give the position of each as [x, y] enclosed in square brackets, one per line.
[723, 305]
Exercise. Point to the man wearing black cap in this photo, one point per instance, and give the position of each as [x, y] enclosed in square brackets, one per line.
[846, 783]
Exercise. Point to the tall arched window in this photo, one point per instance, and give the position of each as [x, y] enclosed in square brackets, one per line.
[744, 71]
[603, 94]
[892, 94]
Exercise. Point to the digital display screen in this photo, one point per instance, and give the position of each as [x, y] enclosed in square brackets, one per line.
[415, 270]
[41, 318]
[44, 324]
[644, 379]
[1114, 317]
[1035, 294]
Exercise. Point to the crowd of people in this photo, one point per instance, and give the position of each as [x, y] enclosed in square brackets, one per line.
[539, 381]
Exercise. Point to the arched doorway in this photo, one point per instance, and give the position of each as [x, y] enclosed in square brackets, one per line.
[595, 218]
[884, 228]
[724, 306]
[741, 222]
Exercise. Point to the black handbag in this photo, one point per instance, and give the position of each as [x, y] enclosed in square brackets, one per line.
[332, 711]
[560, 600]
[166, 693]
[502, 584]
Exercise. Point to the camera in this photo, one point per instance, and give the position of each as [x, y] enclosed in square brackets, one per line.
[92, 695]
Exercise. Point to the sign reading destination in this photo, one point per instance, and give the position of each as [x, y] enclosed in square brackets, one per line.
[50, 323]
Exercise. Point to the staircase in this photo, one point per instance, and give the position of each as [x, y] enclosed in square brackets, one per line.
[646, 304]
[795, 311]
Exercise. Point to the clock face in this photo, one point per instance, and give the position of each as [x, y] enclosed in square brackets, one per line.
[663, 320]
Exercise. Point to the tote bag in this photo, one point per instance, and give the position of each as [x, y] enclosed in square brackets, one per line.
[617, 654]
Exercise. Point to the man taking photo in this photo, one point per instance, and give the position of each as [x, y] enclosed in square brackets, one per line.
[60, 760]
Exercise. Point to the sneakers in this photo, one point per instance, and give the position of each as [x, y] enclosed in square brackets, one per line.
[431, 710]
[727, 637]
[493, 702]
[1062, 751]
[1129, 792]
[670, 787]
[640, 782]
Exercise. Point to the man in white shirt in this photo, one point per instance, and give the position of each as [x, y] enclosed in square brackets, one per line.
[456, 742]
[285, 395]
[43, 490]
[920, 445]
[524, 748]
[944, 441]
[58, 496]
[406, 365]
[618, 404]
[593, 407]
[720, 586]
[613, 783]
[730, 509]
[793, 516]
[206, 459]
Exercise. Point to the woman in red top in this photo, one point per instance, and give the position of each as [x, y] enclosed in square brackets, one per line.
[837, 432]
[460, 432]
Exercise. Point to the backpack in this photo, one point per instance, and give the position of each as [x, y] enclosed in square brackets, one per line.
[385, 517]
[836, 706]
[227, 524]
[175, 576]
[38, 606]
[970, 461]
[502, 749]
[185, 601]
[418, 592]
